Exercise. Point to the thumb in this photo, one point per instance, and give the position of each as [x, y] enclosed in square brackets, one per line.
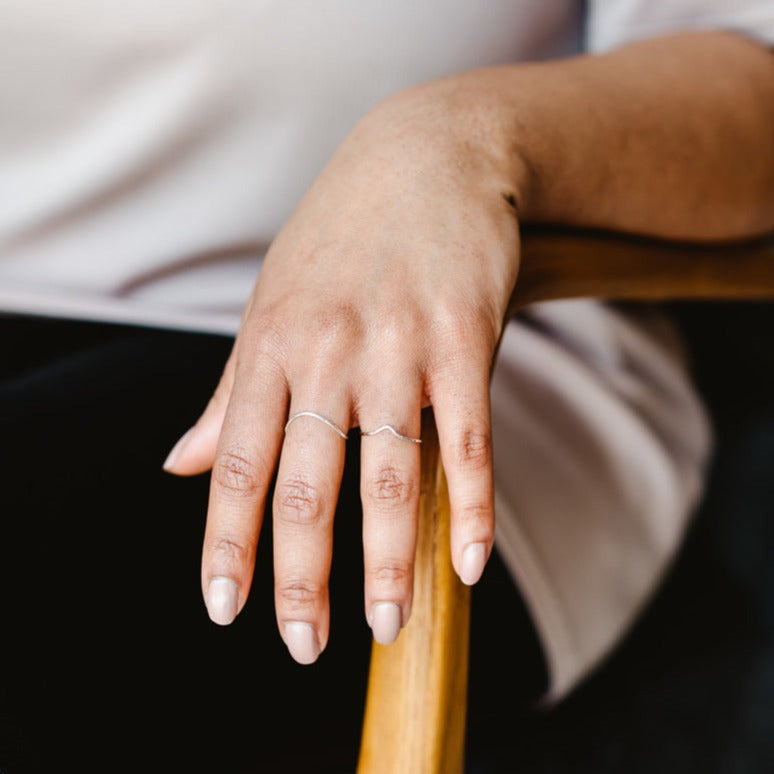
[195, 451]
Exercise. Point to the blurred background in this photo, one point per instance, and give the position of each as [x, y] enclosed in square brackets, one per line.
[691, 689]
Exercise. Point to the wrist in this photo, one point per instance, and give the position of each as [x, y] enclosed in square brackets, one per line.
[461, 123]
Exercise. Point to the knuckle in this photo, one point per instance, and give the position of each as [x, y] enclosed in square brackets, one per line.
[390, 486]
[393, 572]
[298, 593]
[477, 519]
[391, 331]
[473, 449]
[229, 550]
[459, 346]
[458, 322]
[298, 501]
[262, 344]
[338, 323]
[236, 473]
[467, 323]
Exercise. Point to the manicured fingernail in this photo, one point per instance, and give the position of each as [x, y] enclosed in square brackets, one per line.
[385, 622]
[302, 643]
[473, 561]
[177, 450]
[221, 600]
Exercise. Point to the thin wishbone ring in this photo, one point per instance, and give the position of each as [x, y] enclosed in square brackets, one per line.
[392, 430]
[332, 425]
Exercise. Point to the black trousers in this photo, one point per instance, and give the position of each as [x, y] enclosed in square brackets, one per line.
[109, 662]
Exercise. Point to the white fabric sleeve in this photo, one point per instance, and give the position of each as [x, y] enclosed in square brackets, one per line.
[612, 23]
[601, 447]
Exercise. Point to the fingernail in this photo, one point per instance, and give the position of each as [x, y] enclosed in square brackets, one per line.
[473, 561]
[221, 600]
[301, 640]
[385, 622]
[177, 450]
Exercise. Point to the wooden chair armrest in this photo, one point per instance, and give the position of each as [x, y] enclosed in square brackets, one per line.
[573, 263]
[414, 719]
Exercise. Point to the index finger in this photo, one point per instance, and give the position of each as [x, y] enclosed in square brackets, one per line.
[245, 461]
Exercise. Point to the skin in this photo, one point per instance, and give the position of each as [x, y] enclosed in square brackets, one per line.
[387, 288]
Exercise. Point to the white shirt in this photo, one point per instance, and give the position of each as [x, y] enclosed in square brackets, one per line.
[150, 151]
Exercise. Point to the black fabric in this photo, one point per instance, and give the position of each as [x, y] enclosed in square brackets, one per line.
[88, 412]
[109, 662]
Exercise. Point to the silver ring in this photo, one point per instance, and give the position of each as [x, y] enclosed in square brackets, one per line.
[332, 425]
[391, 429]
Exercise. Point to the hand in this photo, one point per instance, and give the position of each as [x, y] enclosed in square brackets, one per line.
[385, 292]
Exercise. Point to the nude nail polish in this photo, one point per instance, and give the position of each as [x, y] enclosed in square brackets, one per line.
[177, 450]
[222, 600]
[385, 622]
[473, 561]
[301, 639]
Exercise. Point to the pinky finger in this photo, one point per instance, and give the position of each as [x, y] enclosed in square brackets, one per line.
[461, 405]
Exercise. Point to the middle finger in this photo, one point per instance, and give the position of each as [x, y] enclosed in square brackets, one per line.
[390, 462]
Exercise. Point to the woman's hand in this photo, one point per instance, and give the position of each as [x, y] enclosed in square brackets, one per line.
[385, 292]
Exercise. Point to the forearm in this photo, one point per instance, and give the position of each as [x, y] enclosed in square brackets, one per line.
[672, 137]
